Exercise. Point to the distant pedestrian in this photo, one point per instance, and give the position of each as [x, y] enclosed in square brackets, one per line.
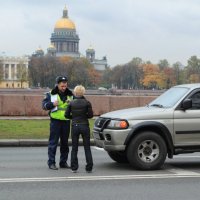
[57, 101]
[79, 110]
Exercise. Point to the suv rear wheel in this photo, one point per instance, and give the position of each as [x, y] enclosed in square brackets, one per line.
[147, 151]
[119, 157]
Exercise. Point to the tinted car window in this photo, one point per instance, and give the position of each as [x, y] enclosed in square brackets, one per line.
[196, 100]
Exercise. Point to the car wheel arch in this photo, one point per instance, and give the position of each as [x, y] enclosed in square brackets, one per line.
[158, 128]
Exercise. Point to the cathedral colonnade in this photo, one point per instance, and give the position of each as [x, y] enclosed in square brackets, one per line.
[66, 46]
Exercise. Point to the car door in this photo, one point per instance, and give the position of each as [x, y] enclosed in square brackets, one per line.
[187, 122]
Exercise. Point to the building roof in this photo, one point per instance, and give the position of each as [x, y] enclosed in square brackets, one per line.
[65, 22]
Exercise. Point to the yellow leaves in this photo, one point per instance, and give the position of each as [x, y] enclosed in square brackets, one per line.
[194, 78]
[154, 77]
[94, 76]
[65, 59]
[150, 68]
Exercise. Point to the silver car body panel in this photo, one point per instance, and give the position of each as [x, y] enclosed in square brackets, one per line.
[183, 126]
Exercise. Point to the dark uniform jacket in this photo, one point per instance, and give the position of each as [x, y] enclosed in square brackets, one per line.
[48, 105]
[79, 110]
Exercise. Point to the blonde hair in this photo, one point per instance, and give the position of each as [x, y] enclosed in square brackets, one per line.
[79, 90]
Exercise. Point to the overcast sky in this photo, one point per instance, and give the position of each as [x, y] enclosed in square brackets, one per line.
[120, 29]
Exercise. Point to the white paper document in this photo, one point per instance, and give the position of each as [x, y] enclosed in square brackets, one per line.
[53, 99]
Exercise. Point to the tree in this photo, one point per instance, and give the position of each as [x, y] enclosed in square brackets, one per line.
[95, 77]
[117, 78]
[106, 78]
[153, 77]
[135, 72]
[193, 70]
[170, 77]
[22, 73]
[136, 61]
[1, 71]
[127, 76]
[44, 70]
[179, 73]
[65, 59]
[163, 64]
[77, 72]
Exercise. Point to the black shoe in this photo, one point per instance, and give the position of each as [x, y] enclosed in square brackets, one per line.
[89, 171]
[64, 165]
[53, 166]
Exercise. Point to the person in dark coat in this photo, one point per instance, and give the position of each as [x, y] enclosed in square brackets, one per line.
[80, 110]
[57, 101]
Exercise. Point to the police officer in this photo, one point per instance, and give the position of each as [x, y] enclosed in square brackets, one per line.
[56, 101]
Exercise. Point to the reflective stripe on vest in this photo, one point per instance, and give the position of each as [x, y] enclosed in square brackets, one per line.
[59, 111]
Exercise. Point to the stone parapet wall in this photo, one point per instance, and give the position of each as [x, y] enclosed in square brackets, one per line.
[31, 105]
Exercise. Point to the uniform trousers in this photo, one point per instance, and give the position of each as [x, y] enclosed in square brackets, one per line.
[59, 129]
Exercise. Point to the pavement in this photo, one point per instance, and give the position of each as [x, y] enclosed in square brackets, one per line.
[29, 142]
[32, 142]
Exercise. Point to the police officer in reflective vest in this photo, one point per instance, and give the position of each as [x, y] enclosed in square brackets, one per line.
[56, 101]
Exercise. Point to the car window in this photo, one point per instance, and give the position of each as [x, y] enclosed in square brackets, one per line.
[170, 97]
[196, 100]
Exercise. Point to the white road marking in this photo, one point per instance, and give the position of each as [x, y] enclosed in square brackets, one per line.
[176, 156]
[98, 178]
[97, 148]
[173, 173]
[179, 171]
[186, 156]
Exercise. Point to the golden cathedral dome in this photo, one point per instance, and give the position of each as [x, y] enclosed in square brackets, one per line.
[65, 22]
[39, 49]
[51, 46]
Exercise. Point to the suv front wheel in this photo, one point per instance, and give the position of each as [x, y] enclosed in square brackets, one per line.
[147, 151]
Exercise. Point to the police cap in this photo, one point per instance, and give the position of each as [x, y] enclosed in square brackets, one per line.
[61, 79]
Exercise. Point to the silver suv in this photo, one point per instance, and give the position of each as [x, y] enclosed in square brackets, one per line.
[144, 136]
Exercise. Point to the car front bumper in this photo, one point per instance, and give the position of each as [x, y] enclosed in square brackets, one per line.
[111, 139]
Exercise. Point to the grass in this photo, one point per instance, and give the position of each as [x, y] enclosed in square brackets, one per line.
[27, 129]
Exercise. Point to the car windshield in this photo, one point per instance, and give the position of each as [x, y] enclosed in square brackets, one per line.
[169, 98]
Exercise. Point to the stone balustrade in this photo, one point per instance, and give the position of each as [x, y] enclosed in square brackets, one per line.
[31, 105]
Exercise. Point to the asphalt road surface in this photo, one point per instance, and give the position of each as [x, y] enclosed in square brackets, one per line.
[24, 175]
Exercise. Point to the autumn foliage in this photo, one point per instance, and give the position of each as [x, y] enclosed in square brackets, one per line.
[135, 74]
[44, 70]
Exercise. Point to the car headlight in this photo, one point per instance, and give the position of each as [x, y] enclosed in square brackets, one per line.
[117, 124]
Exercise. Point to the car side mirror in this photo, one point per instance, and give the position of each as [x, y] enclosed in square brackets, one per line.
[186, 104]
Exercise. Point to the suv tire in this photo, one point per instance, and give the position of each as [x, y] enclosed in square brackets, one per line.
[147, 151]
[119, 157]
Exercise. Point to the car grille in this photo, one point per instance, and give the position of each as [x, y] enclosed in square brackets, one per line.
[99, 125]
[101, 122]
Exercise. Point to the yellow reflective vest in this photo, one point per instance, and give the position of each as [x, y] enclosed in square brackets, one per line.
[59, 111]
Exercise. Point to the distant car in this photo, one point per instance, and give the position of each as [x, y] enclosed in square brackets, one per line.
[144, 136]
[102, 88]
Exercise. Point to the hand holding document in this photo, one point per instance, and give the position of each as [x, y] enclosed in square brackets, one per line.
[55, 102]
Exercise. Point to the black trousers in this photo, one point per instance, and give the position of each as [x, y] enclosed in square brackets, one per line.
[59, 129]
[84, 131]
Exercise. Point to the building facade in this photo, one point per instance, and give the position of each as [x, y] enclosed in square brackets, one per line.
[99, 64]
[14, 71]
[65, 42]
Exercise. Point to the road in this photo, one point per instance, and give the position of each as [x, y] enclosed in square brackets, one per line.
[24, 175]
